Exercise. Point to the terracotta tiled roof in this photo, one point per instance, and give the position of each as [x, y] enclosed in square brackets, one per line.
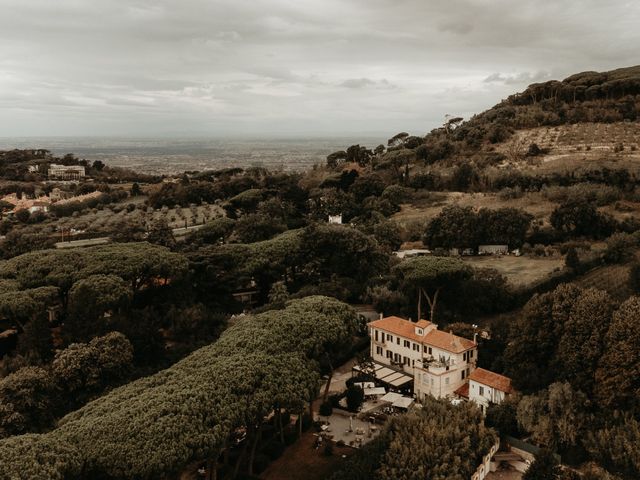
[463, 390]
[491, 379]
[398, 326]
[448, 341]
[434, 338]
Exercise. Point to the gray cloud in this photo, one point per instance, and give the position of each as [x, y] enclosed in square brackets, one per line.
[147, 67]
[366, 82]
[518, 78]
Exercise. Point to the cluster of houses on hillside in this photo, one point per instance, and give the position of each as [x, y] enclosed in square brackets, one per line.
[438, 363]
[42, 203]
[57, 172]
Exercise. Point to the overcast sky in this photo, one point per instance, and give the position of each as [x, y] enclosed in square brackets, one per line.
[289, 68]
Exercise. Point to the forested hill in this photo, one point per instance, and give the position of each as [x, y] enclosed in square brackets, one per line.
[583, 97]
[584, 111]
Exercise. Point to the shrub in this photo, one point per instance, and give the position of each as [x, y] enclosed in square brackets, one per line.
[355, 397]
[328, 448]
[23, 215]
[326, 408]
[334, 400]
[534, 150]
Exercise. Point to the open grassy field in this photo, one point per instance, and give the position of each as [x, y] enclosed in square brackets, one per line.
[519, 271]
[425, 207]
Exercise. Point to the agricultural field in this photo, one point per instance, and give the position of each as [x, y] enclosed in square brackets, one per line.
[611, 278]
[105, 220]
[520, 271]
[584, 145]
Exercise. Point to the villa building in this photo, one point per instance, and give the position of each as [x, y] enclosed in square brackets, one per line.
[439, 362]
[66, 172]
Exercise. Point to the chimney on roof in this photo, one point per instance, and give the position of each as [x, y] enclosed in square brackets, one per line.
[380, 315]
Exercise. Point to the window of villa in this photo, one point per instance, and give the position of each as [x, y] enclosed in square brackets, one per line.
[376, 335]
[481, 390]
[446, 381]
[407, 343]
[379, 350]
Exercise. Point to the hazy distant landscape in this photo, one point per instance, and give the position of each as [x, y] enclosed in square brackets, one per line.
[167, 156]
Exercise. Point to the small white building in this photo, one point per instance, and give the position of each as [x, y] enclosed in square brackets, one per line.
[336, 219]
[493, 249]
[486, 387]
[412, 252]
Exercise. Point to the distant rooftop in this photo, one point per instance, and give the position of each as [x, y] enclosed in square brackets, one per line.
[491, 379]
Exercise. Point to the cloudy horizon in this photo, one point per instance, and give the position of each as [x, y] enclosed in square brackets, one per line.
[288, 68]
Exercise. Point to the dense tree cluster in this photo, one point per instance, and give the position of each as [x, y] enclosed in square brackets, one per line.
[575, 351]
[93, 290]
[464, 227]
[437, 442]
[158, 424]
[562, 336]
[429, 275]
[32, 397]
[578, 217]
[330, 259]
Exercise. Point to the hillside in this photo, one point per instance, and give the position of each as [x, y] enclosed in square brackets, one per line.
[553, 141]
[589, 114]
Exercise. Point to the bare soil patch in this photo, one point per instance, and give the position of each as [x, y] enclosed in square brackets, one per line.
[301, 461]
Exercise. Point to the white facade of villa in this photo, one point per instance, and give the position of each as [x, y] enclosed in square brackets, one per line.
[439, 361]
